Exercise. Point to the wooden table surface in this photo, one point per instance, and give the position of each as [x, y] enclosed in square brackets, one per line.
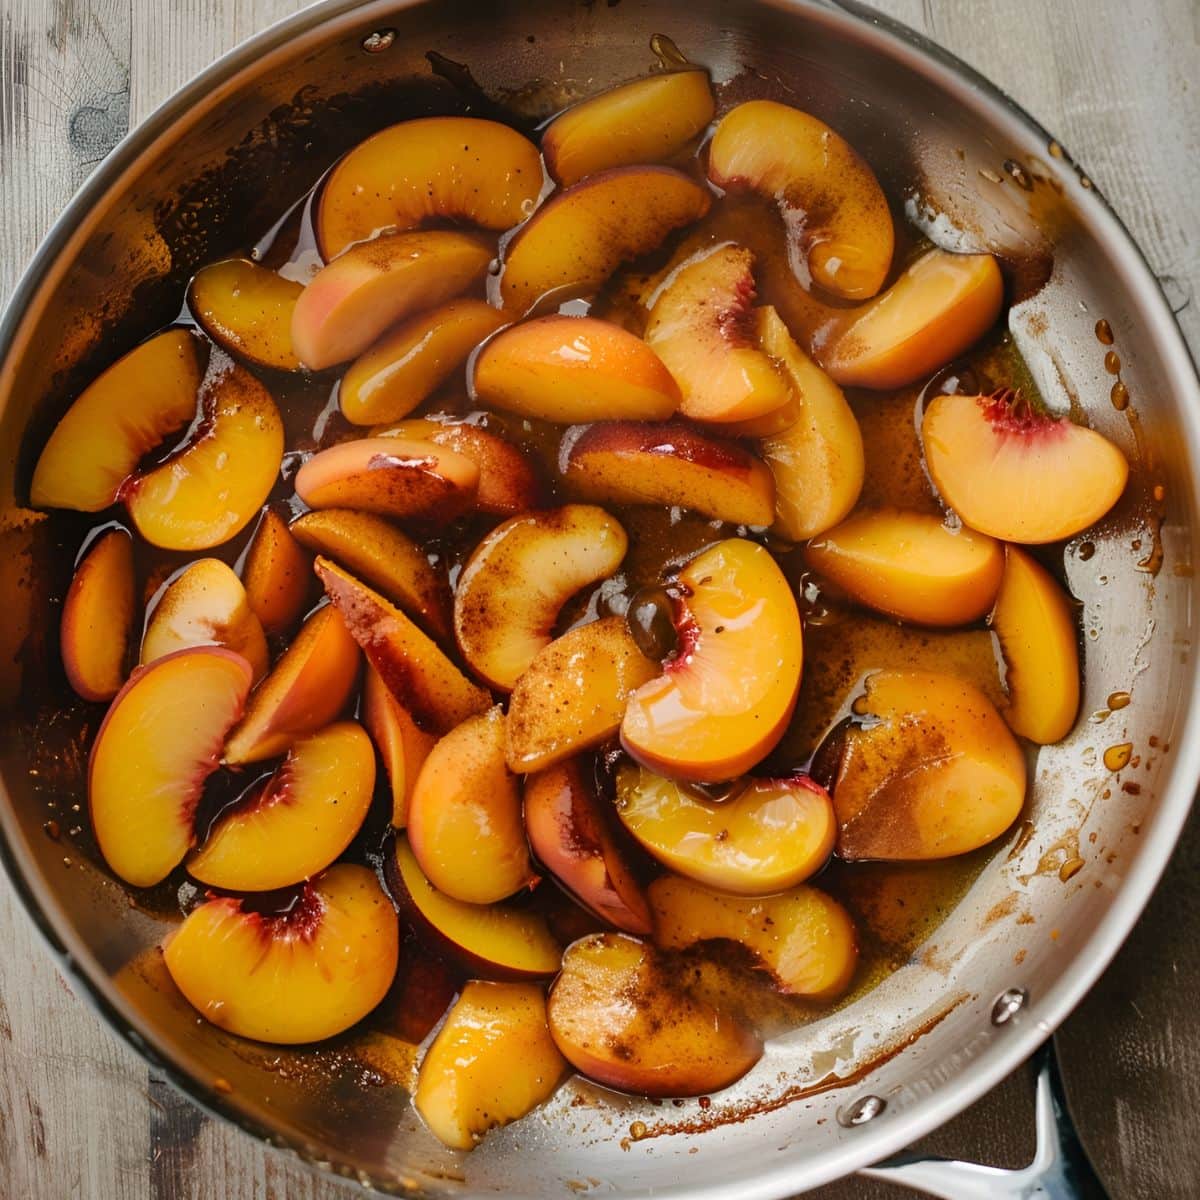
[80, 1115]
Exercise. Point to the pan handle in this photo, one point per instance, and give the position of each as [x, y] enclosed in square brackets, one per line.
[1060, 1169]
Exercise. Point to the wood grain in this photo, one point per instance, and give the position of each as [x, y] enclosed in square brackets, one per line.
[80, 1116]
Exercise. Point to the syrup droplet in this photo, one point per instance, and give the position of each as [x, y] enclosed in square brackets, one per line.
[1104, 333]
[637, 1130]
[1086, 550]
[667, 53]
[651, 621]
[1054, 150]
[52, 830]
[1071, 867]
[1116, 757]
[1112, 362]
[1119, 396]
[1018, 173]
[1119, 700]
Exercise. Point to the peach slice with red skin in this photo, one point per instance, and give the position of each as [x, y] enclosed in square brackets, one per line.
[421, 481]
[839, 226]
[936, 774]
[277, 575]
[247, 310]
[212, 488]
[621, 1016]
[298, 821]
[97, 617]
[402, 743]
[351, 302]
[911, 565]
[421, 994]
[450, 168]
[564, 369]
[160, 740]
[410, 362]
[297, 976]
[1016, 473]
[464, 816]
[518, 578]
[579, 237]
[723, 702]
[671, 464]
[116, 420]
[571, 838]
[646, 121]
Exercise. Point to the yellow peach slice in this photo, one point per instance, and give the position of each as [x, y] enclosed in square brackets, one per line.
[307, 689]
[565, 369]
[804, 939]
[489, 941]
[115, 421]
[301, 975]
[492, 1062]
[206, 606]
[911, 565]
[516, 580]
[817, 460]
[837, 216]
[701, 325]
[1035, 622]
[379, 553]
[372, 285]
[938, 308]
[390, 476]
[212, 488]
[97, 617]
[464, 816]
[402, 743]
[410, 362]
[451, 168]
[1016, 473]
[159, 742]
[247, 310]
[575, 241]
[723, 702]
[572, 695]
[277, 575]
[937, 773]
[648, 120]
[621, 1016]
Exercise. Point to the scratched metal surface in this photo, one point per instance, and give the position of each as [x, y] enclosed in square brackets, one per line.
[79, 1113]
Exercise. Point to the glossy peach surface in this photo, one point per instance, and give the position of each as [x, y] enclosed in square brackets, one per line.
[403, 745]
[247, 310]
[97, 617]
[277, 575]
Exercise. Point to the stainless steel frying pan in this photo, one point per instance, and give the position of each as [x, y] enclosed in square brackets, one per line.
[256, 129]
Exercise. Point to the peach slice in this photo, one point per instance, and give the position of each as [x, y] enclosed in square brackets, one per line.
[723, 702]
[390, 476]
[508, 484]
[159, 742]
[372, 285]
[97, 617]
[1035, 622]
[566, 369]
[247, 310]
[770, 835]
[636, 462]
[817, 460]
[621, 1016]
[403, 744]
[1016, 473]
[298, 821]
[571, 838]
[277, 575]
[429, 686]
[936, 774]
[911, 565]
[572, 695]
[410, 362]
[464, 817]
[839, 227]
[576, 240]
[804, 939]
[492, 1062]
[211, 489]
[206, 606]
[701, 325]
[646, 121]
[307, 689]
[301, 975]
[937, 309]
[489, 941]
[457, 168]
[377, 551]
[115, 421]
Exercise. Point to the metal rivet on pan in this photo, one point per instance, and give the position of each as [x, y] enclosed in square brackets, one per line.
[378, 41]
[1008, 1004]
[860, 1111]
